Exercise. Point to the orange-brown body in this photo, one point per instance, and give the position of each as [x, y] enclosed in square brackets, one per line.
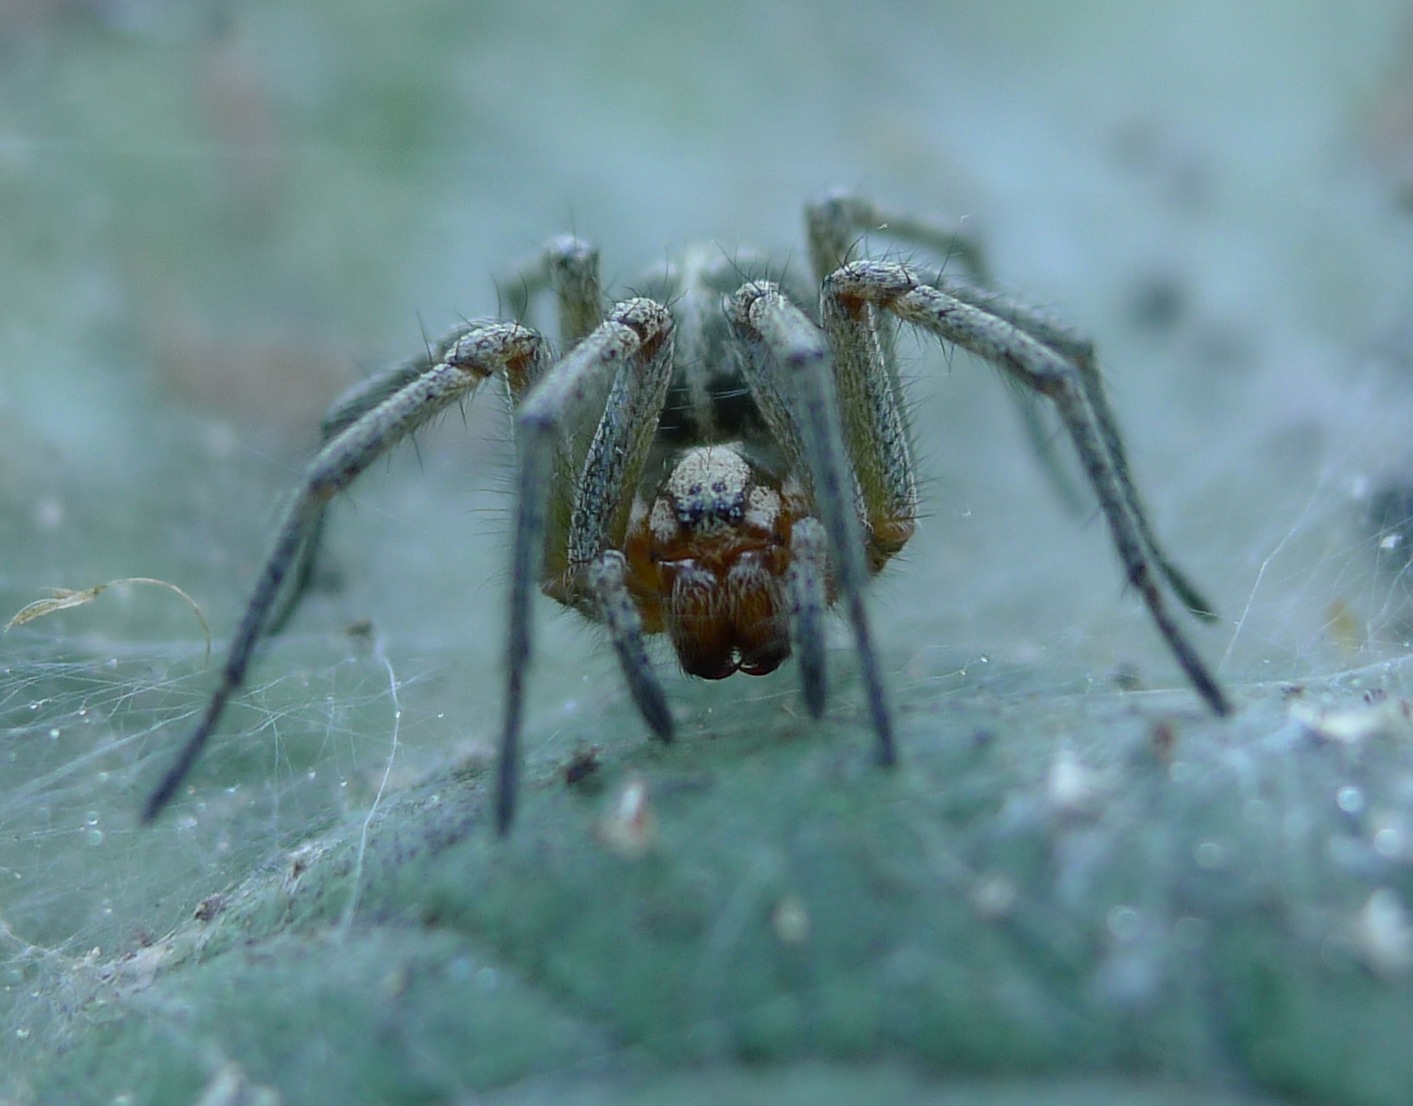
[707, 562]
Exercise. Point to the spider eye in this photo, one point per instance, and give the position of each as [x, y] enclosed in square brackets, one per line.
[720, 505]
[708, 488]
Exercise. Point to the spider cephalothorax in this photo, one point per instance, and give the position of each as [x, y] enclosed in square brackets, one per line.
[719, 459]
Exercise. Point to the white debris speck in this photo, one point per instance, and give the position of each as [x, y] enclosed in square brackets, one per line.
[1383, 934]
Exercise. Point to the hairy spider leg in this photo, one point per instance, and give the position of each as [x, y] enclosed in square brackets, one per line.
[807, 586]
[507, 348]
[582, 567]
[1079, 350]
[846, 301]
[568, 267]
[787, 368]
[345, 411]
[836, 228]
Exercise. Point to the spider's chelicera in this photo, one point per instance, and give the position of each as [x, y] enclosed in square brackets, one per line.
[719, 459]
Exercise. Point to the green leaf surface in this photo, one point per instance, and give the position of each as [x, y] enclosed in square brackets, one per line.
[1171, 896]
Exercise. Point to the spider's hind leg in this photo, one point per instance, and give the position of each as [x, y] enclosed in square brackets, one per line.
[568, 267]
[837, 224]
[1078, 350]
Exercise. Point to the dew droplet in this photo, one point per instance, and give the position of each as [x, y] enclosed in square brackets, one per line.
[1350, 800]
[1123, 922]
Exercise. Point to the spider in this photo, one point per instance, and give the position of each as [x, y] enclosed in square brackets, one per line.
[714, 461]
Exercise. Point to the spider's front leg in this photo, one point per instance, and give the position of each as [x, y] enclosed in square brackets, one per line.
[574, 495]
[787, 367]
[473, 355]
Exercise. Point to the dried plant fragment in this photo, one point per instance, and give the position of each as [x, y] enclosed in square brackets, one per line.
[63, 599]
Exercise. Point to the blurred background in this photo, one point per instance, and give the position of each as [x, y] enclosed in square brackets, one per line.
[214, 216]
